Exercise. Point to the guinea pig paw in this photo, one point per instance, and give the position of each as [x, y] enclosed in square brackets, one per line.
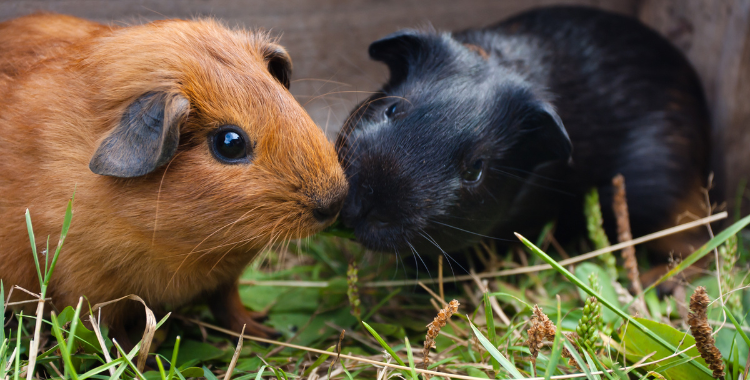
[253, 325]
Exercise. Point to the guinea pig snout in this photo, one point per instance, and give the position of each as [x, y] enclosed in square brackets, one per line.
[326, 211]
[326, 200]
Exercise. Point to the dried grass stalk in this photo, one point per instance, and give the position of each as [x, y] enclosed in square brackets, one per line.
[433, 329]
[148, 333]
[620, 206]
[701, 330]
[541, 330]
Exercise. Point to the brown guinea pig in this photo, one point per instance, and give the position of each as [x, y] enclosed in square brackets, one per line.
[186, 151]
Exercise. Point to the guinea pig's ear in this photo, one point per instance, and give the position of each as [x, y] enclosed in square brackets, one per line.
[397, 50]
[145, 138]
[547, 128]
[279, 64]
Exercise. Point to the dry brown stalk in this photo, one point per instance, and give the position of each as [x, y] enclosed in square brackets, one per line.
[701, 330]
[433, 329]
[543, 329]
[620, 206]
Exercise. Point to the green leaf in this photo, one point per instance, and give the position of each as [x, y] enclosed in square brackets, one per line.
[633, 321]
[638, 344]
[260, 373]
[383, 344]
[192, 350]
[195, 372]
[85, 338]
[338, 229]
[475, 372]
[504, 362]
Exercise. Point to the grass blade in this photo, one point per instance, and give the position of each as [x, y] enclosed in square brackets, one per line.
[260, 373]
[159, 364]
[594, 362]
[384, 344]
[705, 249]
[2, 314]
[490, 321]
[609, 305]
[17, 369]
[582, 364]
[318, 362]
[173, 364]
[124, 364]
[349, 375]
[30, 229]
[737, 325]
[380, 304]
[74, 324]
[556, 345]
[63, 234]
[101, 368]
[504, 362]
[63, 347]
[128, 360]
[409, 355]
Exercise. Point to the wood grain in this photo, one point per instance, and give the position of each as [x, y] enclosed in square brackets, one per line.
[715, 36]
[327, 39]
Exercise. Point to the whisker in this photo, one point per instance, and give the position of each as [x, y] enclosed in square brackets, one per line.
[447, 256]
[527, 182]
[535, 174]
[473, 233]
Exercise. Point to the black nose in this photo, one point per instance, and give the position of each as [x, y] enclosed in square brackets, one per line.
[327, 211]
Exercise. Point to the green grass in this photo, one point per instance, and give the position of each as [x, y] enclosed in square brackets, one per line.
[304, 291]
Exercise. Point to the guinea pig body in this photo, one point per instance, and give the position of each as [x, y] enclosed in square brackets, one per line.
[186, 152]
[495, 130]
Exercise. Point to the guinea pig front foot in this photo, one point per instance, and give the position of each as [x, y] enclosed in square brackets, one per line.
[229, 312]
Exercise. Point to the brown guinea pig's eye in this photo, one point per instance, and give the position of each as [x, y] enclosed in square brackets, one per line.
[473, 173]
[229, 144]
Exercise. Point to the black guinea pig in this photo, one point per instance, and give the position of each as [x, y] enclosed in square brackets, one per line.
[500, 129]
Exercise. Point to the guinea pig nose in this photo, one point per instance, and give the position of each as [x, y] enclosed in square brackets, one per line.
[327, 211]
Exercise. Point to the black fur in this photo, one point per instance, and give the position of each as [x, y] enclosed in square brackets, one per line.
[629, 102]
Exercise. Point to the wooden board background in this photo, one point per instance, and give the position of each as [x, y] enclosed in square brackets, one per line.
[328, 41]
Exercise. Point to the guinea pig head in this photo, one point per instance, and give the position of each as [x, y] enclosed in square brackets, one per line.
[204, 146]
[436, 158]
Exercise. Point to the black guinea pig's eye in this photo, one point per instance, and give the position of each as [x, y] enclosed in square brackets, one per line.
[473, 173]
[229, 144]
[391, 110]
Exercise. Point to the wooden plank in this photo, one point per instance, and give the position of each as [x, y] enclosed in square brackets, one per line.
[327, 39]
[715, 36]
